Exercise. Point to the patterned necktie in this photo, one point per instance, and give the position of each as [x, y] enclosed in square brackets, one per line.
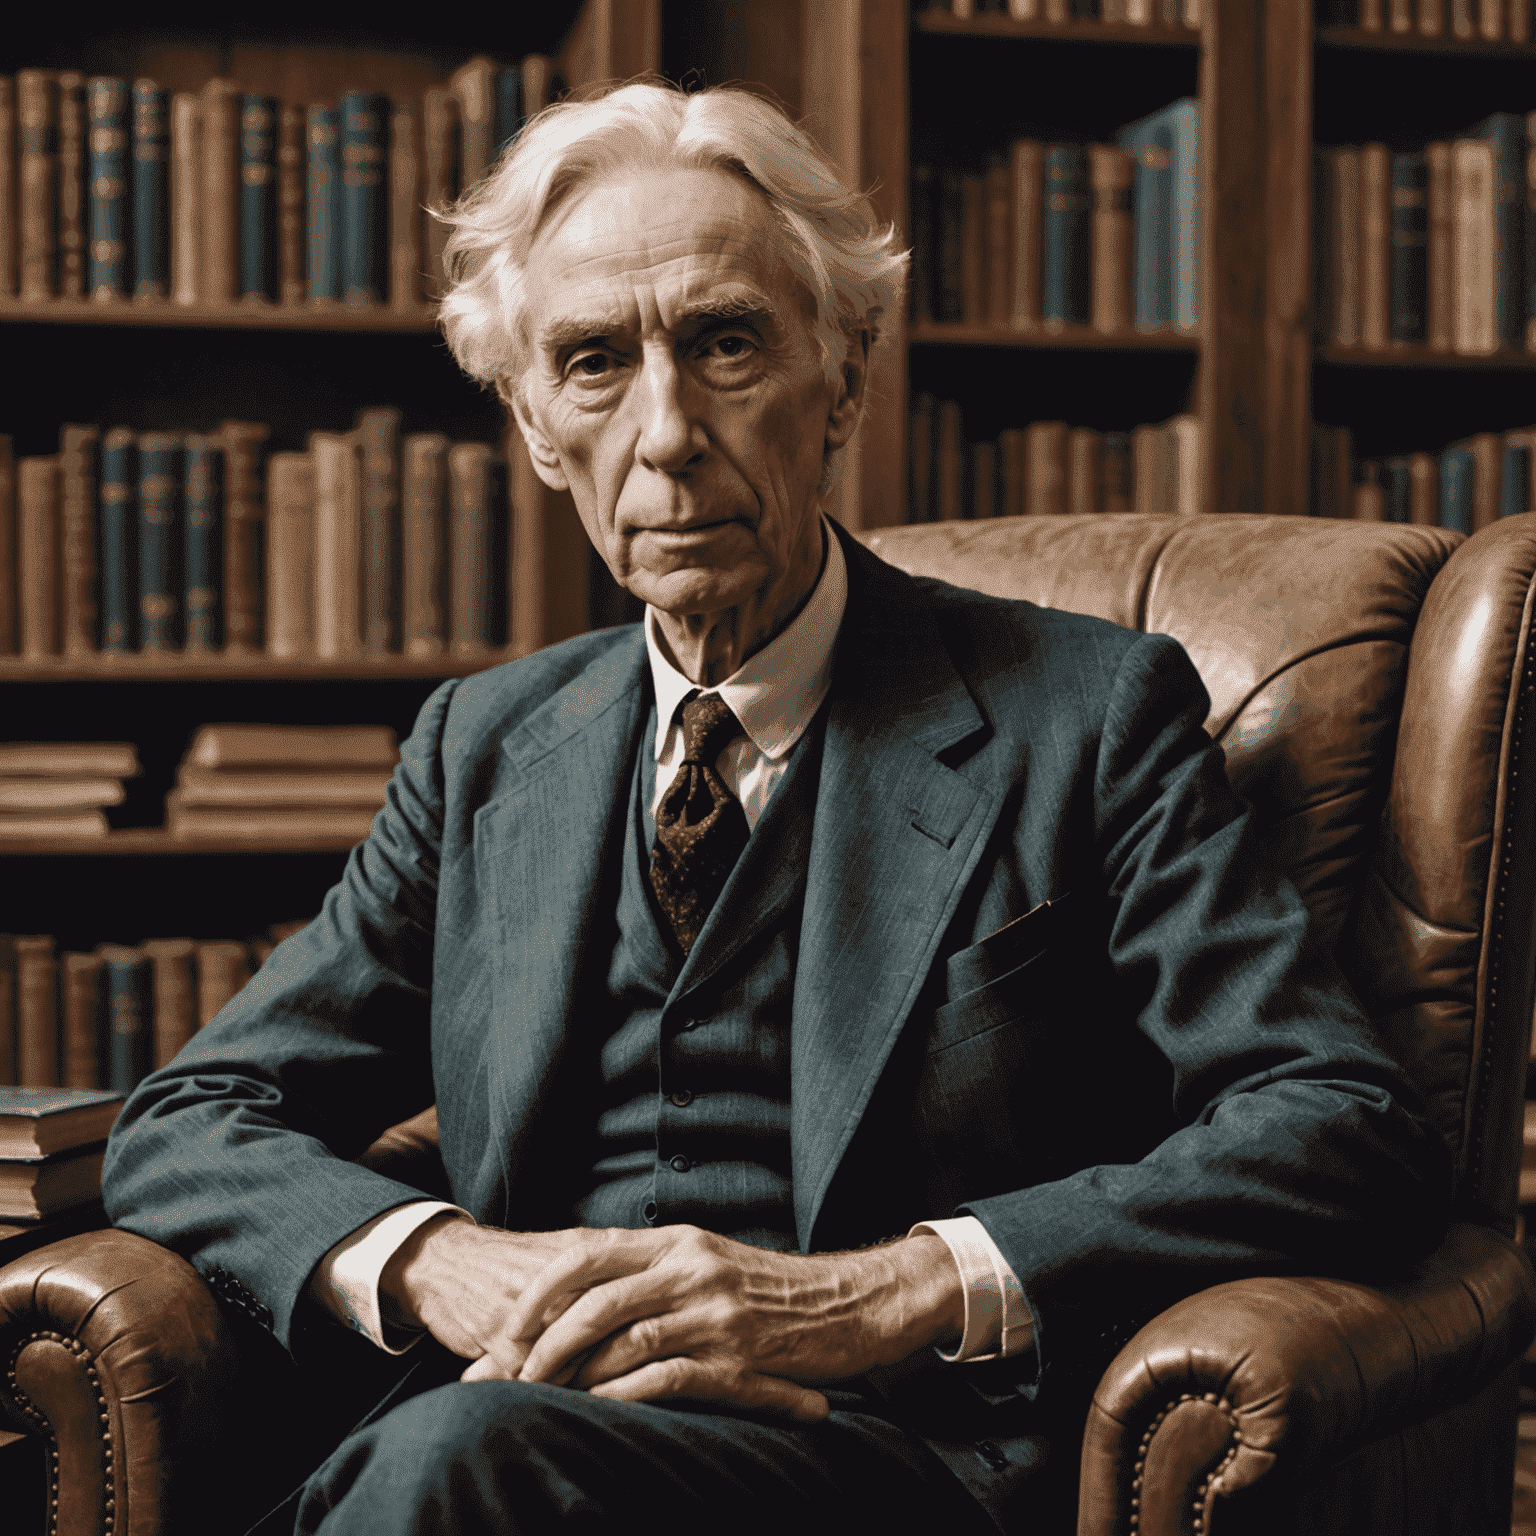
[700, 825]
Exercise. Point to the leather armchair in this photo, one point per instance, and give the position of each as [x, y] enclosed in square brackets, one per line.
[1374, 687]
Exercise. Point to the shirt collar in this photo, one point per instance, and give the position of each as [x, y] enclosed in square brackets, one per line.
[775, 692]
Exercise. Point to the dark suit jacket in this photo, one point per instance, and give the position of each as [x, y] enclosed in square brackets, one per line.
[1155, 1084]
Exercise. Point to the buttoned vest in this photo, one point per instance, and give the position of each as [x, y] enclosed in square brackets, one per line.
[691, 1077]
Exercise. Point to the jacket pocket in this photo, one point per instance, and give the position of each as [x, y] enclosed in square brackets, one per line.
[1028, 990]
[1009, 949]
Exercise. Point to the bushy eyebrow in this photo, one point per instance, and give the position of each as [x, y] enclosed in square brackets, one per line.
[571, 330]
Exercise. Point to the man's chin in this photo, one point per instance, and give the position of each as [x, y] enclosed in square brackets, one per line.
[698, 589]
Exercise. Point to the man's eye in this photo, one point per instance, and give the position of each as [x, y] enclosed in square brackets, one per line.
[729, 347]
[592, 364]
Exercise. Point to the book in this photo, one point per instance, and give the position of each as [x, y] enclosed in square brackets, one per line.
[1026, 164]
[292, 172]
[8, 231]
[440, 166]
[1408, 283]
[424, 541]
[509, 116]
[81, 1007]
[1065, 270]
[364, 228]
[1149, 143]
[128, 992]
[1487, 450]
[323, 206]
[58, 794]
[920, 263]
[949, 269]
[1155, 467]
[983, 480]
[1369, 502]
[219, 266]
[290, 555]
[119, 542]
[1111, 176]
[1517, 493]
[258, 824]
[273, 788]
[1424, 489]
[1340, 277]
[1504, 134]
[293, 746]
[1530, 233]
[223, 967]
[39, 556]
[186, 197]
[203, 540]
[1331, 478]
[258, 199]
[338, 544]
[1375, 244]
[37, 1011]
[1457, 474]
[1118, 488]
[1474, 253]
[405, 185]
[542, 84]
[37, 116]
[920, 460]
[473, 85]
[244, 533]
[1431, 17]
[1183, 119]
[1185, 432]
[378, 434]
[78, 451]
[1046, 453]
[1397, 489]
[175, 994]
[68, 759]
[1084, 469]
[73, 161]
[23, 825]
[973, 248]
[30, 1190]
[1013, 471]
[41, 1122]
[949, 463]
[9, 573]
[7, 1010]
[997, 265]
[151, 191]
[162, 578]
[478, 528]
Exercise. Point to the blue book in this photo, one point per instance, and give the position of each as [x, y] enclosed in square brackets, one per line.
[1408, 288]
[151, 192]
[1150, 146]
[1397, 488]
[509, 109]
[1458, 471]
[1505, 131]
[1515, 487]
[118, 559]
[203, 509]
[1066, 275]
[323, 138]
[106, 107]
[130, 999]
[258, 198]
[160, 578]
[364, 237]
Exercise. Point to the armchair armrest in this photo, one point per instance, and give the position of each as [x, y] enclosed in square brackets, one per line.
[1257, 1375]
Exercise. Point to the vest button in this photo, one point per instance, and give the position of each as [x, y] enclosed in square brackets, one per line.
[648, 1210]
[680, 1164]
[682, 1098]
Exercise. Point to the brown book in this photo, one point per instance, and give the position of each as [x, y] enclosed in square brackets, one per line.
[476, 505]
[338, 544]
[1474, 248]
[1027, 167]
[271, 788]
[37, 1012]
[8, 1043]
[292, 174]
[1343, 246]
[1440, 255]
[37, 113]
[26, 825]
[29, 1190]
[405, 184]
[973, 249]
[260, 951]
[1400, 15]
[1375, 244]
[334, 826]
[68, 759]
[1154, 461]
[424, 552]
[920, 461]
[81, 989]
[1047, 485]
[43, 1122]
[39, 556]
[50, 794]
[1487, 477]
[186, 198]
[244, 533]
[440, 160]
[1368, 502]
[1370, 15]
[949, 463]
[1085, 469]
[1111, 175]
[1431, 17]
[1013, 464]
[1520, 26]
[1186, 435]
[293, 746]
[1530, 216]
[1332, 479]
[78, 450]
[1490, 20]
[174, 962]
[378, 433]
[9, 245]
[290, 555]
[999, 245]
[9, 573]
[983, 480]
[1423, 490]
[72, 163]
[220, 264]
[1117, 487]
[223, 967]
[542, 85]
[1461, 18]
[474, 88]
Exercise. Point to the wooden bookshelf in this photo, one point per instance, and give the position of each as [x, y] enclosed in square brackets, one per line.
[161, 315]
[1416, 42]
[176, 668]
[1072, 338]
[1412, 356]
[157, 842]
[1076, 30]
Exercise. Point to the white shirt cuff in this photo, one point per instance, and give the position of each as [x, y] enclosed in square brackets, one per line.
[346, 1281]
[997, 1319]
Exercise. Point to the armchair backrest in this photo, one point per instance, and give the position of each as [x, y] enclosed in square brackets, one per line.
[1374, 688]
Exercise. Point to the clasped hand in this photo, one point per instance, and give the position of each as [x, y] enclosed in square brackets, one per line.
[672, 1312]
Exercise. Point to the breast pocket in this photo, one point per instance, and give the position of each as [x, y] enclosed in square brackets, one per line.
[1016, 995]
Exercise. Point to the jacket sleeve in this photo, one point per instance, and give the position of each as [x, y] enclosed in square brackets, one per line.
[1303, 1145]
[236, 1154]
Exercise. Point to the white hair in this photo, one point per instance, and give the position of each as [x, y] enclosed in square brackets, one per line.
[852, 267]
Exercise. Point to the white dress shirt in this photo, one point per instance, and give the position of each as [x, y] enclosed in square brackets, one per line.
[775, 694]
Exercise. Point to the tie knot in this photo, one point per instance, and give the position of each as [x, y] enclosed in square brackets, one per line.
[709, 724]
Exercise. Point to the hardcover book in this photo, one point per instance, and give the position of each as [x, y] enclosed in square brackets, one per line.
[473, 86]
[324, 205]
[107, 110]
[73, 166]
[128, 987]
[30, 1190]
[186, 198]
[290, 555]
[1067, 276]
[1150, 146]
[424, 585]
[151, 191]
[1026, 164]
[1375, 245]
[258, 199]
[291, 176]
[37, 113]
[1410, 249]
[244, 532]
[39, 556]
[175, 994]
[40, 1122]
[78, 448]
[82, 1009]
[219, 268]
[338, 544]
[293, 746]
[1111, 175]
[68, 759]
[378, 433]
[203, 508]
[37, 1011]
[364, 227]
[119, 542]
[161, 568]
[440, 163]
[477, 548]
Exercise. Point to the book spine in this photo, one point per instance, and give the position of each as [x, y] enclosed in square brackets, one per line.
[1013, 462]
[161, 475]
[1487, 450]
[1410, 249]
[1067, 281]
[1026, 163]
[1400, 15]
[998, 281]
[37, 112]
[290, 555]
[1111, 174]
[378, 432]
[475, 483]
[73, 165]
[220, 264]
[1457, 474]
[324, 210]
[973, 249]
[509, 109]
[107, 109]
[9, 574]
[175, 995]
[473, 87]
[338, 544]
[1474, 254]
[1462, 24]
[1490, 20]
[244, 533]
[542, 84]
[1424, 490]
[258, 199]
[405, 265]
[1515, 481]
[290, 205]
[983, 480]
[1530, 232]
[151, 191]
[920, 214]
[1154, 469]
[440, 156]
[950, 292]
[364, 235]
[920, 460]
[130, 1009]
[39, 556]
[1152, 239]
[81, 989]
[1519, 21]
[1440, 265]
[9, 234]
[119, 542]
[1046, 449]
[37, 1013]
[1397, 489]
[1431, 17]
[78, 448]
[425, 622]
[1085, 470]
[1375, 244]
[949, 463]
[1369, 502]
[8, 1041]
[186, 197]
[1118, 489]
[223, 967]
[1504, 133]
[1184, 135]
[1344, 232]
[203, 508]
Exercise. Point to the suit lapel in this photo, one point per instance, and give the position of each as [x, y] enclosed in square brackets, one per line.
[896, 836]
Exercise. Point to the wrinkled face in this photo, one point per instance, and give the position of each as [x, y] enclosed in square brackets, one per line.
[673, 383]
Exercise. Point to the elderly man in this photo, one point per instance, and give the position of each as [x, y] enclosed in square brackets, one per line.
[852, 1005]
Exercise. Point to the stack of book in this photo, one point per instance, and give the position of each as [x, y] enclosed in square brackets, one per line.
[223, 196]
[1494, 21]
[1049, 467]
[1057, 235]
[1134, 13]
[60, 788]
[165, 543]
[1432, 247]
[1466, 486]
[282, 783]
[52, 1142]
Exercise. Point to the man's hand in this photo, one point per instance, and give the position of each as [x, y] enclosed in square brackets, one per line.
[675, 1312]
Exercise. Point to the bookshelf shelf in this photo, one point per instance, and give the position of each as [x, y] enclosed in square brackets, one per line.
[1413, 42]
[1076, 31]
[173, 668]
[243, 317]
[136, 842]
[1424, 357]
[1072, 338]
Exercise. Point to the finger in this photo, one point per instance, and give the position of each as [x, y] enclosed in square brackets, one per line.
[501, 1362]
[629, 1308]
[681, 1377]
[560, 1282]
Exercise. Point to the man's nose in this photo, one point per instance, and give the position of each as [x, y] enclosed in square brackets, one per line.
[672, 438]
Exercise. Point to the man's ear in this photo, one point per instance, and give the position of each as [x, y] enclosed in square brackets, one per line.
[848, 403]
[546, 462]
